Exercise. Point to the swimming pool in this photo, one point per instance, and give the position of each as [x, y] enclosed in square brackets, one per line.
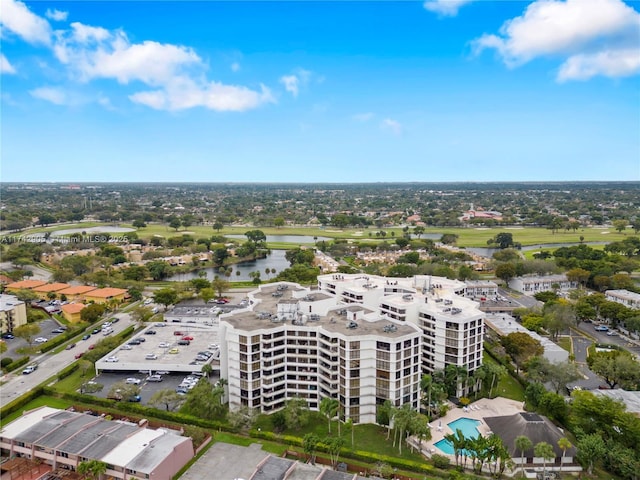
[468, 427]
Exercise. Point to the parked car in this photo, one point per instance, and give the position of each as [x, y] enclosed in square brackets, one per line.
[107, 331]
[92, 346]
[174, 350]
[612, 333]
[57, 330]
[115, 320]
[95, 331]
[78, 355]
[132, 381]
[184, 342]
[70, 346]
[154, 378]
[150, 332]
[151, 356]
[135, 341]
[178, 333]
[29, 369]
[40, 340]
[86, 337]
[126, 347]
[112, 359]
[601, 328]
[164, 345]
[8, 336]
[187, 337]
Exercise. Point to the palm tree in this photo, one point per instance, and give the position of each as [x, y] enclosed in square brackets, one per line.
[92, 469]
[523, 444]
[545, 451]
[564, 445]
[426, 382]
[328, 407]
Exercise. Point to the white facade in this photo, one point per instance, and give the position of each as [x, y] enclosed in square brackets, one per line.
[359, 339]
[624, 297]
[530, 285]
[13, 313]
[481, 289]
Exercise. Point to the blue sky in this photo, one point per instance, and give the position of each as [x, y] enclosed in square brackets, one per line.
[456, 90]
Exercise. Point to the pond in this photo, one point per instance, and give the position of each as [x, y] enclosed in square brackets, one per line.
[276, 259]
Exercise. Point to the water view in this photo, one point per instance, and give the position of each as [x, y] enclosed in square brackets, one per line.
[275, 260]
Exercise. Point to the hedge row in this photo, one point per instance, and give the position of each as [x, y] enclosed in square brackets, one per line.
[17, 364]
[60, 339]
[68, 370]
[20, 402]
[368, 457]
[132, 407]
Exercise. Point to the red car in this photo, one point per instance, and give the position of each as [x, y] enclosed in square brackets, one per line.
[78, 355]
[178, 332]
[187, 337]
[91, 347]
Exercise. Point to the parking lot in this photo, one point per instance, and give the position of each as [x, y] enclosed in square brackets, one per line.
[46, 331]
[163, 347]
[147, 389]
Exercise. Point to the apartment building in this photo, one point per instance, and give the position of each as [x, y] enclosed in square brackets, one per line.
[359, 339]
[64, 439]
[530, 285]
[296, 344]
[624, 297]
[13, 313]
[481, 290]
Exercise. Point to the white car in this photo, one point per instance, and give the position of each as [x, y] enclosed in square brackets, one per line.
[40, 340]
[151, 356]
[107, 331]
[132, 381]
[126, 347]
[164, 345]
[112, 359]
[29, 369]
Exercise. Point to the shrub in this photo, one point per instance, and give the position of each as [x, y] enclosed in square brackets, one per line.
[65, 372]
[5, 362]
[440, 461]
[17, 363]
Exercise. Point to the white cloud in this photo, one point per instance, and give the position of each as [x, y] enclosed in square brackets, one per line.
[292, 83]
[182, 93]
[362, 117]
[5, 66]
[597, 36]
[50, 94]
[391, 125]
[612, 63]
[445, 8]
[57, 15]
[175, 73]
[18, 19]
[235, 67]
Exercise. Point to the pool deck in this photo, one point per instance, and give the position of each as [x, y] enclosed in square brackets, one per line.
[484, 407]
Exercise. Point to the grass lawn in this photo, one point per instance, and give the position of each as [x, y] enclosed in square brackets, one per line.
[565, 342]
[467, 237]
[508, 386]
[41, 401]
[72, 383]
[367, 437]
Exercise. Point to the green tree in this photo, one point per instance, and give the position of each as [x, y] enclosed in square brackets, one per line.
[165, 296]
[617, 367]
[92, 313]
[334, 444]
[329, 407]
[175, 223]
[166, 398]
[564, 445]
[310, 444]
[217, 226]
[158, 269]
[545, 451]
[523, 443]
[27, 332]
[620, 225]
[278, 222]
[505, 272]
[296, 413]
[521, 347]
[220, 286]
[590, 448]
[207, 294]
[92, 469]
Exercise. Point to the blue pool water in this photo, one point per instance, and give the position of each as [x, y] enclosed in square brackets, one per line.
[468, 427]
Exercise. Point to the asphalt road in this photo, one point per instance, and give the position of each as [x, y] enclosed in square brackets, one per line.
[49, 364]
